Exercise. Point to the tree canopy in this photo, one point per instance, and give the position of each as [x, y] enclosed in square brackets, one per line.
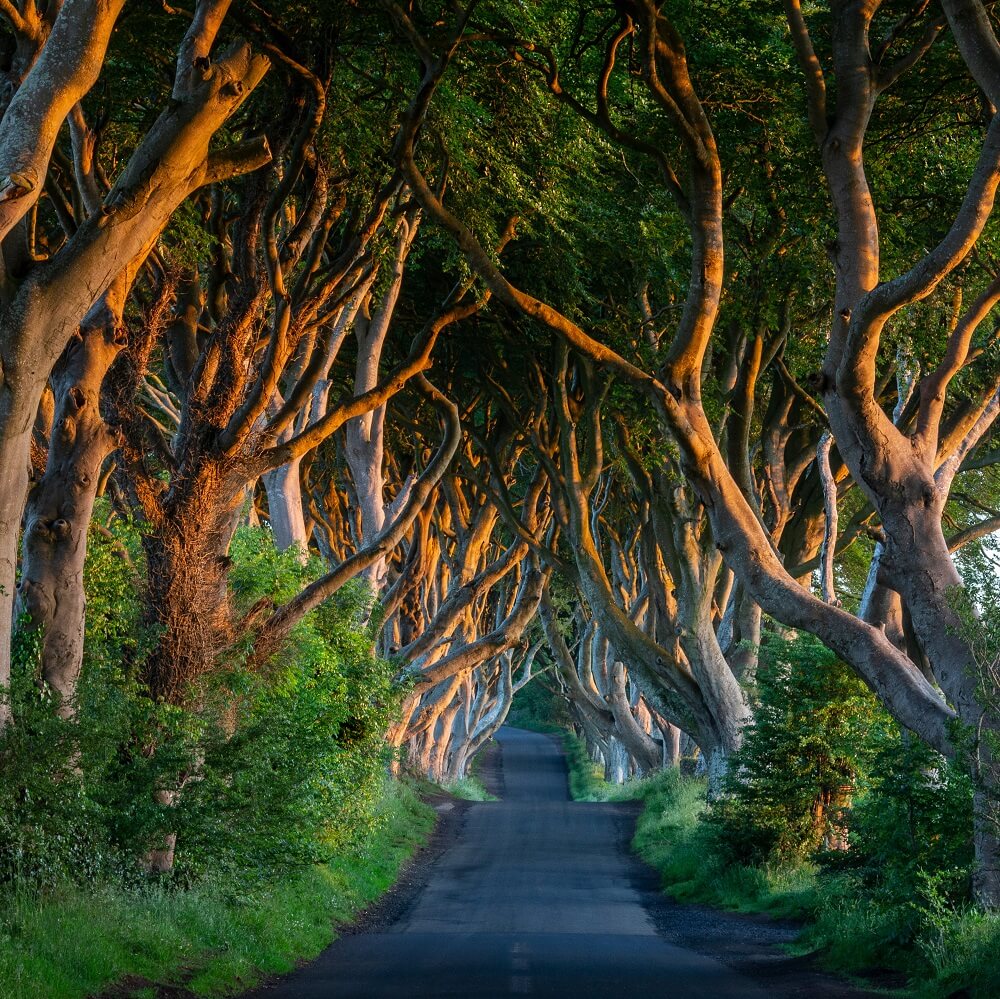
[597, 344]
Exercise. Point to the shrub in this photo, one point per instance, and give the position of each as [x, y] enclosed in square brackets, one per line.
[809, 749]
[911, 833]
[277, 767]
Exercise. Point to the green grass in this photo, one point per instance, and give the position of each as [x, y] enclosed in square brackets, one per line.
[586, 778]
[216, 939]
[670, 838]
[941, 952]
[964, 953]
[469, 788]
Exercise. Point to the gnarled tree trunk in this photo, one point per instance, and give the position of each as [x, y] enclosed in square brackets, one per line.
[51, 592]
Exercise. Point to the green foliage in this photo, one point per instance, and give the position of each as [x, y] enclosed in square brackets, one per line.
[672, 837]
[276, 769]
[468, 789]
[810, 745]
[911, 833]
[941, 948]
[978, 605]
[216, 938]
[898, 896]
[273, 769]
[50, 826]
[311, 726]
[62, 776]
[963, 952]
[585, 776]
[536, 706]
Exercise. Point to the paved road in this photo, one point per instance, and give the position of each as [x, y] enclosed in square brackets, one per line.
[534, 898]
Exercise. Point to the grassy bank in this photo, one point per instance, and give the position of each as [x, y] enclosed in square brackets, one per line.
[670, 838]
[216, 939]
[940, 951]
[586, 778]
[469, 788]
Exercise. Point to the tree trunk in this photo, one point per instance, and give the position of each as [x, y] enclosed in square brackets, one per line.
[365, 457]
[715, 761]
[671, 745]
[59, 508]
[188, 595]
[285, 510]
[616, 764]
[15, 441]
[646, 755]
[50, 303]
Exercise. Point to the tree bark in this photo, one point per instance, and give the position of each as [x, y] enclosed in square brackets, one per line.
[644, 752]
[51, 592]
[365, 435]
[171, 162]
[285, 510]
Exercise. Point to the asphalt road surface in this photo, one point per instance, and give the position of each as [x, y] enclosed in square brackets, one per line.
[535, 897]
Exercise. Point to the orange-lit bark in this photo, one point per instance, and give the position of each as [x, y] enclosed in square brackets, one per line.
[46, 306]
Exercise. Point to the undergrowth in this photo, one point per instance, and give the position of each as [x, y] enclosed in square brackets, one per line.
[216, 938]
[861, 911]
[586, 778]
[940, 949]
[469, 788]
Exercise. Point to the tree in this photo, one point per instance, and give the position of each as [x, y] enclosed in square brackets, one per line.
[905, 474]
[55, 277]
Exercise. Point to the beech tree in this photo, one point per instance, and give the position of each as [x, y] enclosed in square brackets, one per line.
[467, 590]
[54, 276]
[594, 341]
[906, 474]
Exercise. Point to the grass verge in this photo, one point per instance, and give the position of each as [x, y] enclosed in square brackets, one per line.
[215, 939]
[586, 778]
[469, 788]
[939, 951]
[670, 838]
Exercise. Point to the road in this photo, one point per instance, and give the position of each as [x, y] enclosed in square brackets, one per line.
[535, 897]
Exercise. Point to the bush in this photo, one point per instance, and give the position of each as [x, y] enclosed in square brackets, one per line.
[672, 837]
[807, 753]
[301, 771]
[911, 833]
[898, 896]
[276, 768]
[217, 938]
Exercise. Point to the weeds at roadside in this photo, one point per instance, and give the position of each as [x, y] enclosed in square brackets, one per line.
[469, 789]
[217, 938]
